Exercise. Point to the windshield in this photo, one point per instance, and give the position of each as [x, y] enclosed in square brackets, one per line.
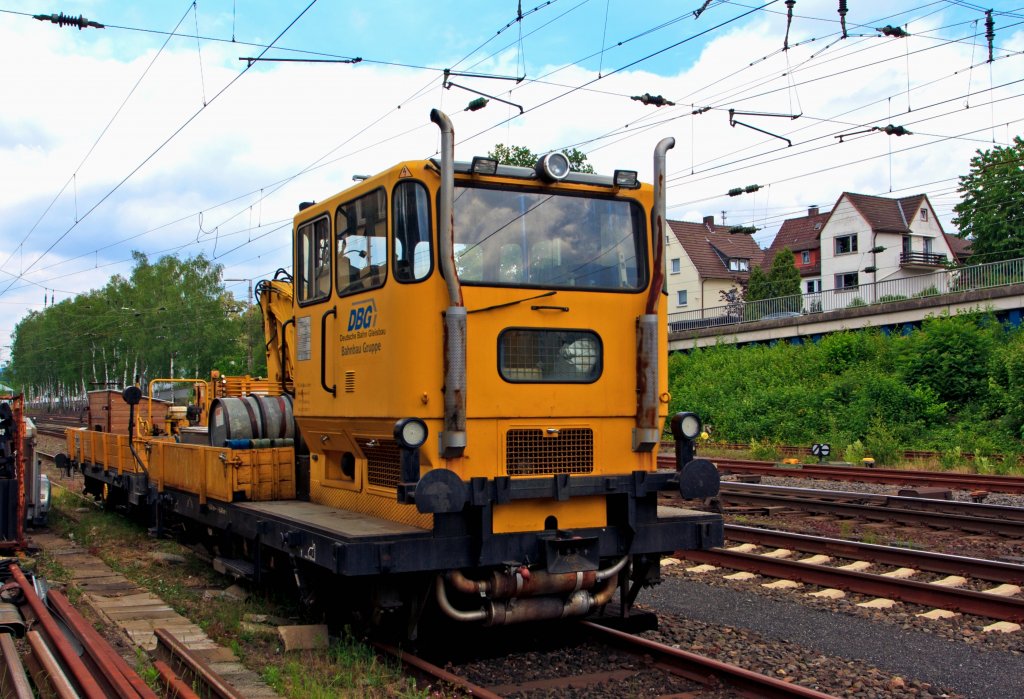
[522, 238]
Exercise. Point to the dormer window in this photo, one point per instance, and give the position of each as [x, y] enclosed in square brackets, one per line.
[739, 264]
[924, 213]
[805, 257]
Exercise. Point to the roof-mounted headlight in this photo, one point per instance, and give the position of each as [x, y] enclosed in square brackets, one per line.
[553, 167]
[626, 179]
[484, 166]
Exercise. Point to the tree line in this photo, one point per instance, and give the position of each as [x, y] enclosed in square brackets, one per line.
[169, 318]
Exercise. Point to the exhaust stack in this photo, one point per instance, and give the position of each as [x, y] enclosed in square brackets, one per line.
[453, 437]
[646, 433]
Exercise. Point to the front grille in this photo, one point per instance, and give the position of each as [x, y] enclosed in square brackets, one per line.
[530, 452]
[383, 461]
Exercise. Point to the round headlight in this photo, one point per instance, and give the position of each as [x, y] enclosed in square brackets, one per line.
[553, 167]
[411, 432]
[687, 425]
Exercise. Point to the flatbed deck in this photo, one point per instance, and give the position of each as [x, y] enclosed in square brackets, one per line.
[331, 521]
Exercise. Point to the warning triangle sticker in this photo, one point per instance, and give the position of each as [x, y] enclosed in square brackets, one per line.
[404, 173]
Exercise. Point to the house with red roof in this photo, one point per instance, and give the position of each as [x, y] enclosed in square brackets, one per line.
[801, 235]
[705, 260]
[869, 239]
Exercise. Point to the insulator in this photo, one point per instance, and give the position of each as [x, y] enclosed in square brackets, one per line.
[63, 20]
[896, 130]
[478, 103]
[842, 15]
[896, 32]
[701, 110]
[990, 32]
[698, 12]
[749, 189]
[656, 100]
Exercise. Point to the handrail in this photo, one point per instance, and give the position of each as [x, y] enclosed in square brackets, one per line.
[333, 390]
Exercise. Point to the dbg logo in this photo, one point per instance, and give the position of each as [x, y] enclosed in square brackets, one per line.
[362, 316]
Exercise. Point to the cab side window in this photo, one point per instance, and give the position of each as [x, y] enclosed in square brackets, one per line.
[313, 260]
[413, 257]
[361, 242]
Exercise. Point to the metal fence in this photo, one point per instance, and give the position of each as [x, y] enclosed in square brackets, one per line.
[939, 283]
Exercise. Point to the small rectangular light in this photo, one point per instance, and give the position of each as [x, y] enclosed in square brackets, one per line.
[626, 179]
[483, 166]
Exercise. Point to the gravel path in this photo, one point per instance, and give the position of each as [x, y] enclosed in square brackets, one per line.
[967, 670]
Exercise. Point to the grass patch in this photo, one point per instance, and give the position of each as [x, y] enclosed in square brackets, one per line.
[349, 668]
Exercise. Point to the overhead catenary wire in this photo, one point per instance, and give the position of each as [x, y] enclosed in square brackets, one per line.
[152, 154]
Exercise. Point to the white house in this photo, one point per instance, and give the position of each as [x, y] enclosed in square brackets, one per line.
[868, 239]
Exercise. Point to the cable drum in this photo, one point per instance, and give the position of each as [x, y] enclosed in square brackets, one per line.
[251, 417]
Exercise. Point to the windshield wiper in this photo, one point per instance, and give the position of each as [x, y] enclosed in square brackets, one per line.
[513, 303]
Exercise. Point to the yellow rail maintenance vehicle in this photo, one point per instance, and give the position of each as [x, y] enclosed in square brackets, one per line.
[474, 355]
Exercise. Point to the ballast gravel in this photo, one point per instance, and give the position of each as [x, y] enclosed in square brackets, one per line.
[766, 633]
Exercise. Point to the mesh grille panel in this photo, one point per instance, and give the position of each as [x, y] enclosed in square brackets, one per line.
[383, 461]
[530, 355]
[529, 452]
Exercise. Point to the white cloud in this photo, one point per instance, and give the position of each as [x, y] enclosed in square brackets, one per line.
[279, 118]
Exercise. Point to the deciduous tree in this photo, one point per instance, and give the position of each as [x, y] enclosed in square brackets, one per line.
[991, 212]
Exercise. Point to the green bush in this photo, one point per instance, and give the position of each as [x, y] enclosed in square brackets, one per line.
[764, 450]
[956, 382]
[881, 444]
[854, 452]
[857, 303]
[930, 291]
[951, 458]
[888, 298]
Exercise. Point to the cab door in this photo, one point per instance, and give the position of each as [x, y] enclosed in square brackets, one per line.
[315, 317]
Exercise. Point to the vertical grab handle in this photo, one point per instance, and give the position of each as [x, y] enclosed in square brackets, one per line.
[333, 390]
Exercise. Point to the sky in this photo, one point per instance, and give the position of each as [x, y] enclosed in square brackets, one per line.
[151, 134]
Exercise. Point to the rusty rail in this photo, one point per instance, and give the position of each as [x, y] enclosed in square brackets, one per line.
[427, 668]
[124, 682]
[176, 687]
[191, 668]
[944, 514]
[48, 671]
[707, 671]
[83, 680]
[947, 564]
[927, 594]
[14, 682]
[948, 479]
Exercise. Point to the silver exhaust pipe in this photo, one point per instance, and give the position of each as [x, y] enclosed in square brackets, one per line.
[453, 436]
[646, 434]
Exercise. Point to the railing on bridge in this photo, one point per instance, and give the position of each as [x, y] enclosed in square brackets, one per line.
[947, 281]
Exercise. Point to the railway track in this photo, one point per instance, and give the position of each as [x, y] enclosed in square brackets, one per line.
[826, 569]
[943, 514]
[785, 450]
[705, 672]
[861, 474]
